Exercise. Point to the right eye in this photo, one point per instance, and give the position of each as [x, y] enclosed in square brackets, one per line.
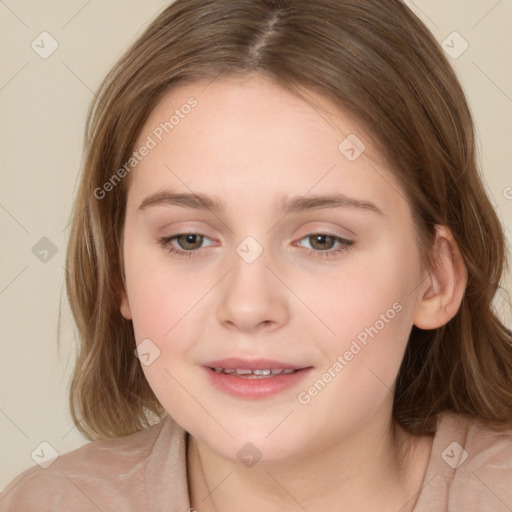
[189, 243]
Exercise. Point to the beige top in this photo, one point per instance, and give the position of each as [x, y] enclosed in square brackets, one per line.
[470, 470]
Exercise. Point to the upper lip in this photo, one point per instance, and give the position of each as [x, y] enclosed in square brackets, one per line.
[252, 364]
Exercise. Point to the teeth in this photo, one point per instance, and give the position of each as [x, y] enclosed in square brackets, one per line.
[254, 373]
[261, 372]
[224, 370]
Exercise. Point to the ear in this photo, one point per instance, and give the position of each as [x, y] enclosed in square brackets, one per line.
[443, 293]
[121, 284]
[125, 306]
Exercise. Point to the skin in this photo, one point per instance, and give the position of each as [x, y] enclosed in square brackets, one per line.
[251, 144]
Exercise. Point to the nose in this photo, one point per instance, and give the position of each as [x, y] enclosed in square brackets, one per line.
[252, 298]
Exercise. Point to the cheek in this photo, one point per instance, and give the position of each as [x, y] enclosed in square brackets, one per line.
[361, 365]
[168, 308]
[369, 298]
[162, 307]
[370, 310]
[161, 296]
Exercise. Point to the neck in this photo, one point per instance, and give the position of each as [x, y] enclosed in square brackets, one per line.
[378, 467]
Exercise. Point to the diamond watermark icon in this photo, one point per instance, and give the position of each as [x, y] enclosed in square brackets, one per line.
[249, 249]
[147, 352]
[44, 45]
[352, 147]
[249, 455]
[455, 45]
[44, 250]
[45, 455]
[454, 455]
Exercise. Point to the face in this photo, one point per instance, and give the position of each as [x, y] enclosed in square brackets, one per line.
[270, 272]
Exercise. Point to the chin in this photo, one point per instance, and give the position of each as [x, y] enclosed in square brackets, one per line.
[256, 444]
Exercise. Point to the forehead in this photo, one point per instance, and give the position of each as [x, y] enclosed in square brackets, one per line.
[254, 139]
[225, 109]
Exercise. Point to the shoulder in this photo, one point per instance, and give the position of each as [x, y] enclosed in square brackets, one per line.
[471, 463]
[98, 475]
[480, 444]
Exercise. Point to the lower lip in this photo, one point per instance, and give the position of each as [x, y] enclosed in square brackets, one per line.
[255, 388]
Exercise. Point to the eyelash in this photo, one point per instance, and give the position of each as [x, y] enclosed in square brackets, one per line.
[346, 245]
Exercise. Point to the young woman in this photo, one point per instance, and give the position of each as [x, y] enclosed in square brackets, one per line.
[281, 266]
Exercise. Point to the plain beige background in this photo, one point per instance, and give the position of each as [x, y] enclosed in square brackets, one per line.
[43, 103]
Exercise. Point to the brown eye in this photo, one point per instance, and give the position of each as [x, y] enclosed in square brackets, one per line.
[322, 245]
[322, 242]
[190, 242]
[184, 245]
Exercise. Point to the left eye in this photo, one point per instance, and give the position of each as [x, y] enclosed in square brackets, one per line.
[321, 244]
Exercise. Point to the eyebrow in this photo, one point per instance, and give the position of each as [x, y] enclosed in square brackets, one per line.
[200, 201]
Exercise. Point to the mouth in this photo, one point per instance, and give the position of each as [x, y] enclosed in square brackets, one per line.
[267, 373]
[254, 379]
[251, 368]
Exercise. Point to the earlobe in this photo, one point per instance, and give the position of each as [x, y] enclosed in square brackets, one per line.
[447, 283]
[121, 285]
[125, 306]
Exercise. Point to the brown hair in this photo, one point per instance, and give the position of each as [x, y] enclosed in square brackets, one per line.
[374, 58]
